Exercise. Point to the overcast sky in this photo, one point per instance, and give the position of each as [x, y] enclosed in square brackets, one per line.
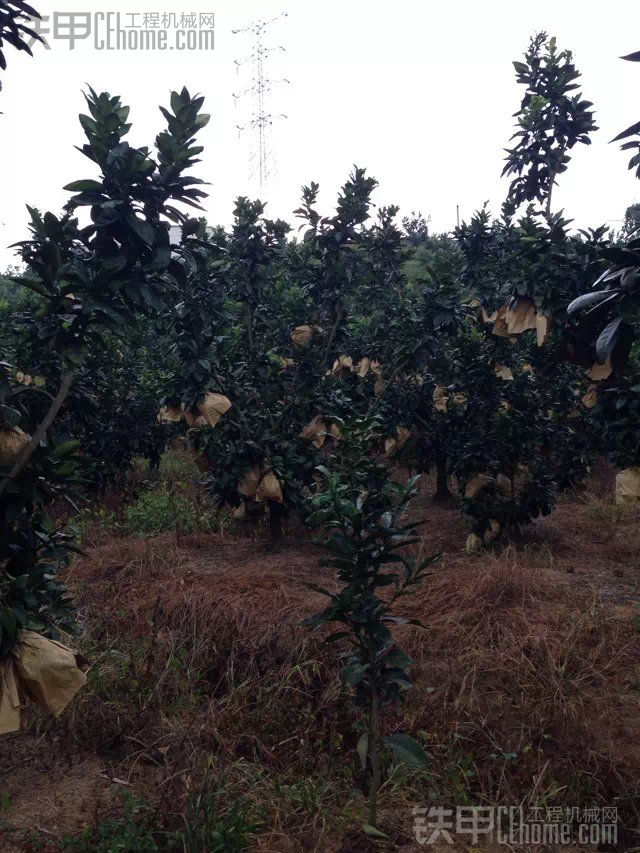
[420, 93]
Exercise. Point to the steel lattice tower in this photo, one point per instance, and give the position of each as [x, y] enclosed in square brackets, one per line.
[259, 89]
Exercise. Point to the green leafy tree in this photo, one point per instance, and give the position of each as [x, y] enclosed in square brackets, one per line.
[87, 280]
[551, 121]
[416, 228]
[361, 513]
[631, 224]
[525, 432]
[265, 448]
[193, 320]
[521, 438]
[606, 327]
[609, 316]
[222, 334]
[333, 243]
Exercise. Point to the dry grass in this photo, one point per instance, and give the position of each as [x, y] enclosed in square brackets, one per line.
[531, 684]
[527, 682]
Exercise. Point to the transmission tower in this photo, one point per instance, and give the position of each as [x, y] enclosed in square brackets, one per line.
[261, 85]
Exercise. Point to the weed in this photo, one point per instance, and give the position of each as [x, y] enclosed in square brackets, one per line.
[160, 510]
[134, 830]
[607, 511]
[5, 800]
[88, 519]
[521, 677]
[208, 827]
[179, 467]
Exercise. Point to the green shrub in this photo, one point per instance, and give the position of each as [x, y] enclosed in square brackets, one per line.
[206, 828]
[132, 831]
[138, 829]
[89, 518]
[158, 510]
[140, 469]
[178, 466]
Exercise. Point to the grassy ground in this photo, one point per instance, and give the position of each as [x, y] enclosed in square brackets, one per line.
[211, 712]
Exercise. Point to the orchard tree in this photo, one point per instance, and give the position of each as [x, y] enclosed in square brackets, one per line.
[552, 119]
[609, 316]
[631, 224]
[361, 511]
[193, 321]
[524, 439]
[334, 257]
[522, 271]
[420, 331]
[87, 280]
[222, 336]
[416, 228]
[284, 403]
[254, 453]
[606, 328]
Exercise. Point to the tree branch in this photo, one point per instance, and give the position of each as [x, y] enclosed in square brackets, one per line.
[41, 432]
[332, 335]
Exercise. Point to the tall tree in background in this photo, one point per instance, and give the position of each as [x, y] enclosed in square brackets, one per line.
[550, 121]
[631, 222]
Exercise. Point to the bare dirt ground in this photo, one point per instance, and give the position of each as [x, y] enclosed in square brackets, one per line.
[527, 683]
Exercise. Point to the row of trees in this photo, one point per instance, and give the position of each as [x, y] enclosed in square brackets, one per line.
[304, 368]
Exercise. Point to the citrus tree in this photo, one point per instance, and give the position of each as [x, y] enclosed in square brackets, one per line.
[609, 314]
[360, 511]
[524, 437]
[87, 280]
[552, 119]
[281, 399]
[604, 328]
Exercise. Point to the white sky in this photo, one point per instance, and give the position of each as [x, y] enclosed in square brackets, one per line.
[420, 93]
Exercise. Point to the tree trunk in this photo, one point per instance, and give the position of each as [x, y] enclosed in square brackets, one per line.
[554, 174]
[374, 752]
[276, 514]
[250, 328]
[172, 510]
[442, 480]
[41, 433]
[332, 335]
